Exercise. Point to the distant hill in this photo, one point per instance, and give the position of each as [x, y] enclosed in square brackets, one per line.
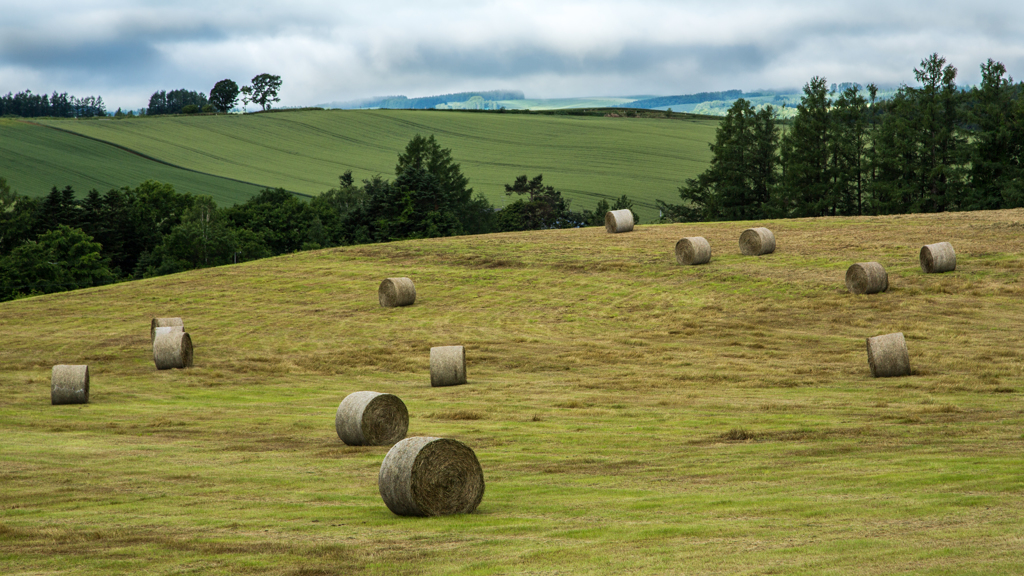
[427, 102]
[684, 99]
[588, 158]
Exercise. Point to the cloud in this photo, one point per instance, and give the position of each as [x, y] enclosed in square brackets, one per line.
[325, 51]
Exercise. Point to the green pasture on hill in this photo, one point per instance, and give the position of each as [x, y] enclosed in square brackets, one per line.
[587, 158]
[36, 158]
[632, 416]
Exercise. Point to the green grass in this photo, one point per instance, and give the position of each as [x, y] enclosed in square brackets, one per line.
[587, 158]
[35, 158]
[630, 415]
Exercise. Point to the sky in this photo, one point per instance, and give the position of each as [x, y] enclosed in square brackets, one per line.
[335, 51]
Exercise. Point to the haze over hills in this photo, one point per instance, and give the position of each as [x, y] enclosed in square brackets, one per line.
[704, 103]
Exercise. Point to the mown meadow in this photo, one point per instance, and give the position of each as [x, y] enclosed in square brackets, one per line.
[631, 415]
[587, 158]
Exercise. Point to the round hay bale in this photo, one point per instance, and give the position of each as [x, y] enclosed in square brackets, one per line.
[172, 350]
[867, 278]
[158, 322]
[69, 384]
[695, 250]
[396, 292]
[757, 241]
[616, 221]
[887, 355]
[936, 258]
[371, 419]
[427, 476]
[447, 365]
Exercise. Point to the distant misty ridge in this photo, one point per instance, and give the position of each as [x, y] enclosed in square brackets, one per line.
[705, 103]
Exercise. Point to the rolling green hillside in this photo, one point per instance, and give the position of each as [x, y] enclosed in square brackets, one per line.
[305, 151]
[35, 158]
[632, 416]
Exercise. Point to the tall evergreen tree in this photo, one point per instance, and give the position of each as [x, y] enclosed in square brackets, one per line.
[996, 171]
[739, 183]
[848, 147]
[940, 177]
[807, 155]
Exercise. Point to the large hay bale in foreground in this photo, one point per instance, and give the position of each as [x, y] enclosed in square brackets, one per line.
[158, 322]
[447, 365]
[616, 221]
[694, 250]
[371, 419]
[396, 292]
[888, 356]
[427, 476]
[867, 278]
[172, 350]
[936, 258]
[757, 241]
[69, 384]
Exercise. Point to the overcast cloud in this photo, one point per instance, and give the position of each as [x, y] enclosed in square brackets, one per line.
[124, 50]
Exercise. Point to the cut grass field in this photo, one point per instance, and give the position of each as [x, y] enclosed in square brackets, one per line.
[631, 415]
[35, 158]
[587, 158]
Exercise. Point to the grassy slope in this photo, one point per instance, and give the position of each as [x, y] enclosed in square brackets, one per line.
[34, 158]
[608, 387]
[305, 151]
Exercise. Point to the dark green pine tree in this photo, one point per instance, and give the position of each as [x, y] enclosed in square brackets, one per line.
[739, 183]
[848, 148]
[996, 176]
[940, 173]
[807, 154]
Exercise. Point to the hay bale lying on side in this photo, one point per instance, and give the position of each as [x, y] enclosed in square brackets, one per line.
[172, 350]
[396, 292]
[937, 258]
[158, 322]
[695, 250]
[371, 419]
[757, 241]
[447, 365]
[69, 384]
[867, 278]
[888, 356]
[616, 221]
[427, 476]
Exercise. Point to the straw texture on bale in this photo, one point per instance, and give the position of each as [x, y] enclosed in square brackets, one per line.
[887, 355]
[69, 384]
[427, 476]
[371, 419]
[936, 258]
[616, 221]
[447, 365]
[158, 322]
[694, 250]
[167, 330]
[867, 278]
[172, 350]
[757, 241]
[396, 292]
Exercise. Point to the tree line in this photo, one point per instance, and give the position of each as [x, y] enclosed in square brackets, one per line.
[61, 243]
[28, 105]
[223, 97]
[930, 148]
